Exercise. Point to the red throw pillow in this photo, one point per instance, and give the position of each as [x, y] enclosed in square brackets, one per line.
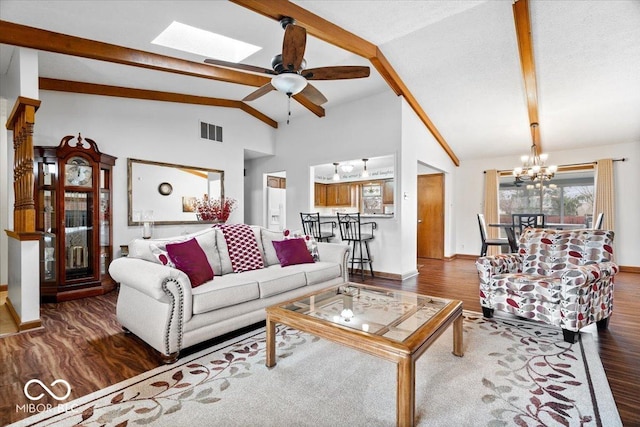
[190, 258]
[292, 252]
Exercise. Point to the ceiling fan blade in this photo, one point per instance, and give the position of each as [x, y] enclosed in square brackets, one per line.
[313, 94]
[262, 90]
[336, 73]
[293, 45]
[239, 66]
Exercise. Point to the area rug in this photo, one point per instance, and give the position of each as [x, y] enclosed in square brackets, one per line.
[513, 372]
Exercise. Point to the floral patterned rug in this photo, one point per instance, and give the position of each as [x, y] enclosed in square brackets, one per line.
[514, 373]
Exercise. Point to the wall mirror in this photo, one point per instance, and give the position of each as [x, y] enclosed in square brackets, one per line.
[168, 191]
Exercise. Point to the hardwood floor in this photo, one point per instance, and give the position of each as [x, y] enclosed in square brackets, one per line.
[82, 342]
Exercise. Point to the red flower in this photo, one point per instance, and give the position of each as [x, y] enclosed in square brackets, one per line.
[214, 209]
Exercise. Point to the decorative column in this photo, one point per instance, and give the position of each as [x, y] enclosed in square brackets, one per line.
[23, 299]
[21, 122]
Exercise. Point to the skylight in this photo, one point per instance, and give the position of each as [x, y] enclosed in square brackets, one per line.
[211, 45]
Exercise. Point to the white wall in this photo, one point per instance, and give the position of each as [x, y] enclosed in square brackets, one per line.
[368, 127]
[158, 131]
[419, 146]
[469, 195]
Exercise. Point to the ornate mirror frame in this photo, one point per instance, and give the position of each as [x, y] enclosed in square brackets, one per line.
[168, 190]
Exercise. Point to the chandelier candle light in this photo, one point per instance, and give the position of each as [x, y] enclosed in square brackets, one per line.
[534, 166]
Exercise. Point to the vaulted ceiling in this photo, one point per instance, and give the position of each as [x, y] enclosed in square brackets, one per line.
[457, 62]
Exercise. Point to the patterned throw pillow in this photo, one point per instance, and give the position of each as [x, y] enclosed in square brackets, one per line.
[243, 248]
[161, 255]
[310, 241]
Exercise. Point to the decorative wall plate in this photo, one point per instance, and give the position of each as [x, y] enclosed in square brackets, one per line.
[165, 188]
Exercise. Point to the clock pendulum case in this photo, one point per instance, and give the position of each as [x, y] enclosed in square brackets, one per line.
[73, 212]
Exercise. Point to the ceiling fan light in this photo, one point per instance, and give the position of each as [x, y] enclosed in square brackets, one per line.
[289, 83]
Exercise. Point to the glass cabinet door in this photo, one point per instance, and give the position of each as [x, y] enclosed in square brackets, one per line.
[78, 232]
[46, 220]
[105, 232]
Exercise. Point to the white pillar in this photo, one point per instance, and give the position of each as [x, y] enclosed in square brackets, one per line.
[20, 258]
[24, 279]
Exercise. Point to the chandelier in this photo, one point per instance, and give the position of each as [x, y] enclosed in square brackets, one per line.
[534, 167]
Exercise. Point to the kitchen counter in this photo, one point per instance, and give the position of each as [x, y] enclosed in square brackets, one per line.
[335, 217]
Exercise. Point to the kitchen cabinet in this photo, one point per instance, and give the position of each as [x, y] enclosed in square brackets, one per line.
[276, 182]
[320, 194]
[338, 194]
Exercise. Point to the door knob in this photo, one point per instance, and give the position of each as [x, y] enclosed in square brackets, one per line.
[419, 221]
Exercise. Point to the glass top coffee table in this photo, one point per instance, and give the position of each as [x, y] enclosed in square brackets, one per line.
[394, 325]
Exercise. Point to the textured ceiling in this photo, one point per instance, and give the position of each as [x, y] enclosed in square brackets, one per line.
[458, 58]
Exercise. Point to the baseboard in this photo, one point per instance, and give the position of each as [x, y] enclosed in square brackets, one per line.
[22, 326]
[4, 288]
[462, 256]
[629, 269]
[382, 274]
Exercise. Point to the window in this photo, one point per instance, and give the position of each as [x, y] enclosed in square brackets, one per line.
[566, 199]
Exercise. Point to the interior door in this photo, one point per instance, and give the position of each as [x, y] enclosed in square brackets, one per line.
[431, 216]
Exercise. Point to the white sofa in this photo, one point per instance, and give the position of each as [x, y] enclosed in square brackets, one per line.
[158, 304]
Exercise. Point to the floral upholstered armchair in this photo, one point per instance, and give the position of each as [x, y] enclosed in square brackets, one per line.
[563, 278]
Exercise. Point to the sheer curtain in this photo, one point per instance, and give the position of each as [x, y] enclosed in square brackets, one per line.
[491, 207]
[604, 197]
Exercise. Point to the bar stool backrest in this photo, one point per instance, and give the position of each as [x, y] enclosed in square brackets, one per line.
[311, 224]
[349, 227]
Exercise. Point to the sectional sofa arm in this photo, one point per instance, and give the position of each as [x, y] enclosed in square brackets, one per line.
[499, 264]
[335, 252]
[586, 275]
[157, 281]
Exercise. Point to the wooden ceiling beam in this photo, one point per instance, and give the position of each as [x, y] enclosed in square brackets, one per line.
[383, 65]
[338, 36]
[315, 25]
[151, 95]
[525, 48]
[36, 38]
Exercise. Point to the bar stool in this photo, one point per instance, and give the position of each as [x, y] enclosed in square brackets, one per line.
[351, 232]
[312, 226]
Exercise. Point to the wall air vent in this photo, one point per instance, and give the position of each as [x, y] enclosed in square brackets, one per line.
[210, 131]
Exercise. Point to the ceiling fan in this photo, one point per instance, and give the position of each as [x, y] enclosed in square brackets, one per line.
[288, 68]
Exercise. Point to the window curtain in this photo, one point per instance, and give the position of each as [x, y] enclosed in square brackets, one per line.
[491, 207]
[604, 197]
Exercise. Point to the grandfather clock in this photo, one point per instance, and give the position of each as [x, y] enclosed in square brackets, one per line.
[73, 211]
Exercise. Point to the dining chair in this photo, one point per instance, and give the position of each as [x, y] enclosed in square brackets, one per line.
[351, 232]
[486, 242]
[312, 226]
[527, 220]
[599, 220]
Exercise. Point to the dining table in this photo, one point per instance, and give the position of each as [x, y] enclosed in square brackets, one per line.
[510, 232]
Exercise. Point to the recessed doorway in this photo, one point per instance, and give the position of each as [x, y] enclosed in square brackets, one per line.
[430, 229]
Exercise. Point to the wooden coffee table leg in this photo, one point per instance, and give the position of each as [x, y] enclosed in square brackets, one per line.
[271, 343]
[406, 403]
[457, 337]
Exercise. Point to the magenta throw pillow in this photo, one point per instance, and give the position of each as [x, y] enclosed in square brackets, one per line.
[189, 257]
[292, 252]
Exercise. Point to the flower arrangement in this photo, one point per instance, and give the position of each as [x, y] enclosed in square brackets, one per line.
[214, 209]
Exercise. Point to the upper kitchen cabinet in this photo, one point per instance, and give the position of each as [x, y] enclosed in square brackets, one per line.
[338, 194]
[320, 194]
